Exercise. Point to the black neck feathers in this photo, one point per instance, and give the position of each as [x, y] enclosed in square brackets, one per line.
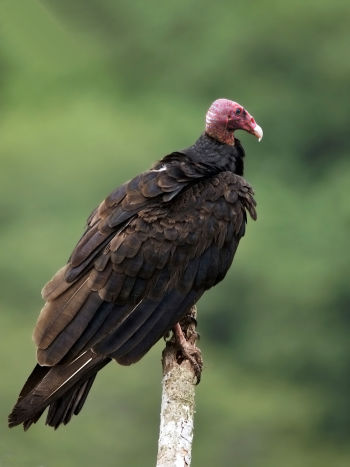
[209, 157]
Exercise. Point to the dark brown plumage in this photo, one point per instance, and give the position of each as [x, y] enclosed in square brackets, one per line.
[150, 250]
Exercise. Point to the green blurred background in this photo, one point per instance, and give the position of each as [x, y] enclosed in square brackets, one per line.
[93, 92]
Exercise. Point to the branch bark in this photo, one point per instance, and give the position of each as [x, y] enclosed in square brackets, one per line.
[178, 399]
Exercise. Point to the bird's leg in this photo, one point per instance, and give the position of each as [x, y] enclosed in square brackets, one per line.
[186, 344]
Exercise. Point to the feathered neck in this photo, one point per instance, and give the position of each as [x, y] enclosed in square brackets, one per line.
[204, 158]
[215, 156]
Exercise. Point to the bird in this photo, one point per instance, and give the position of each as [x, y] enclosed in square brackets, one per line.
[148, 253]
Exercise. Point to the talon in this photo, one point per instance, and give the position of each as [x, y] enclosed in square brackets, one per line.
[189, 351]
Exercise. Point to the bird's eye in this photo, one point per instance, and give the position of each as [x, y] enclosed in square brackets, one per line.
[238, 111]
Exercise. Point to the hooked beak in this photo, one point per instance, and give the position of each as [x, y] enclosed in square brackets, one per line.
[258, 132]
[249, 124]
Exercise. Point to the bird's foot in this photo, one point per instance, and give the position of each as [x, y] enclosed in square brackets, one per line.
[188, 350]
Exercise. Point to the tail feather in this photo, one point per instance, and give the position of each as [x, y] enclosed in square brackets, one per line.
[34, 379]
[63, 408]
[62, 388]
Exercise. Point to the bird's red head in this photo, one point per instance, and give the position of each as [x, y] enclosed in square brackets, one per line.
[225, 116]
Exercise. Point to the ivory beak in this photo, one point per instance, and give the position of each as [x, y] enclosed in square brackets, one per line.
[258, 132]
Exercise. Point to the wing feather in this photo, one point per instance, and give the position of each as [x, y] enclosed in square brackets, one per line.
[166, 315]
[56, 314]
[131, 282]
[85, 341]
[54, 352]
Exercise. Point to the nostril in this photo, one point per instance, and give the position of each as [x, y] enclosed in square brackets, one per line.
[252, 120]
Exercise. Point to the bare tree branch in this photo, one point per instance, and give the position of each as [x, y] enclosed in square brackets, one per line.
[178, 398]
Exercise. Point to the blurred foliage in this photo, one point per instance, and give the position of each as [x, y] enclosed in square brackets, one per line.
[91, 93]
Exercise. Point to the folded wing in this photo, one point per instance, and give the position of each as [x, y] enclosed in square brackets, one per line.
[142, 273]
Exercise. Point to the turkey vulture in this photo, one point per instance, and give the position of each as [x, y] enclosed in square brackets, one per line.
[148, 253]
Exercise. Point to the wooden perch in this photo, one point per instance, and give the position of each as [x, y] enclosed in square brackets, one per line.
[180, 377]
